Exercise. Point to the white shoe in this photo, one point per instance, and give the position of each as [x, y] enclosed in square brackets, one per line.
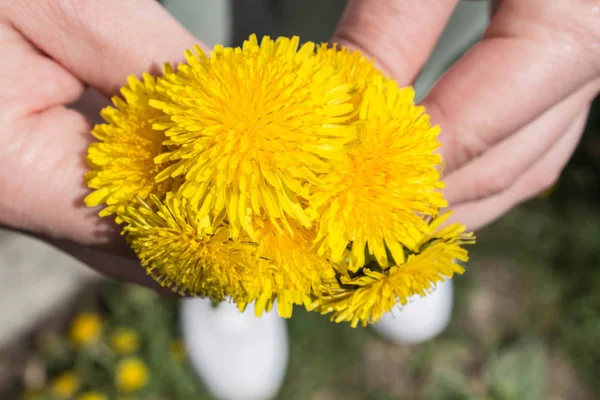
[237, 355]
[422, 319]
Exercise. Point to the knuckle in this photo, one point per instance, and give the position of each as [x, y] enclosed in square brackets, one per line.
[470, 144]
[460, 143]
[494, 182]
[462, 146]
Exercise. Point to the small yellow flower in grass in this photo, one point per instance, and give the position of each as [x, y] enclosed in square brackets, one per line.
[377, 198]
[92, 396]
[86, 329]
[364, 296]
[64, 386]
[125, 341]
[122, 161]
[250, 127]
[131, 375]
[177, 350]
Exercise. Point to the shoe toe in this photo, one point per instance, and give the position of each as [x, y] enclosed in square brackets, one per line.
[238, 356]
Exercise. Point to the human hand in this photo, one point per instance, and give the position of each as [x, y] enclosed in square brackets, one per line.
[512, 109]
[51, 51]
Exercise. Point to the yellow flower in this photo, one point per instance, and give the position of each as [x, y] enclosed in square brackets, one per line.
[125, 341]
[92, 396]
[286, 269]
[131, 375]
[377, 198]
[278, 173]
[177, 350]
[64, 386]
[122, 161]
[189, 255]
[365, 296]
[197, 257]
[250, 127]
[86, 329]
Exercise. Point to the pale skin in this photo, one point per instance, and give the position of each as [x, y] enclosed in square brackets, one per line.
[512, 109]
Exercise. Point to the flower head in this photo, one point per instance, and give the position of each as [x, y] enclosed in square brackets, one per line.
[122, 161]
[86, 329]
[278, 173]
[92, 396]
[125, 341]
[251, 127]
[286, 269]
[192, 256]
[64, 386]
[378, 197]
[131, 375]
[198, 257]
[364, 296]
[355, 69]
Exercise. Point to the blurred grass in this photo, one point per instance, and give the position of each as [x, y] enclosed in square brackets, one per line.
[526, 323]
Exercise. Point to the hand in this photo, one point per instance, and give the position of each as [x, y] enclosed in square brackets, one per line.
[512, 109]
[52, 50]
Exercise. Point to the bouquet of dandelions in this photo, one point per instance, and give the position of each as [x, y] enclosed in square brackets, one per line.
[278, 174]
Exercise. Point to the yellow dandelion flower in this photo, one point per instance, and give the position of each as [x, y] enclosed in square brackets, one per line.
[354, 67]
[64, 386]
[131, 375]
[277, 173]
[122, 161]
[125, 341]
[86, 329]
[249, 127]
[199, 258]
[286, 269]
[182, 252]
[377, 198]
[92, 396]
[177, 350]
[364, 297]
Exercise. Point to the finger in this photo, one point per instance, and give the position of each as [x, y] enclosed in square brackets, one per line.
[102, 42]
[399, 34]
[533, 56]
[498, 168]
[43, 146]
[30, 81]
[543, 175]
